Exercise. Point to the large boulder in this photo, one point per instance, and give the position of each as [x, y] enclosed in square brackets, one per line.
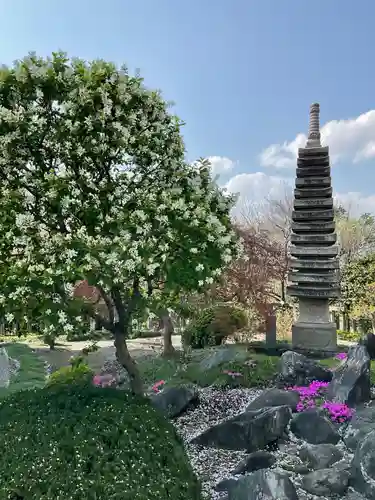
[250, 431]
[320, 456]
[255, 461]
[220, 356]
[173, 401]
[351, 383]
[314, 427]
[363, 466]
[326, 482]
[297, 369]
[362, 423]
[275, 397]
[263, 485]
[369, 343]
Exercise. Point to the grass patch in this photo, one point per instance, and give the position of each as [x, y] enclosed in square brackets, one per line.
[32, 372]
[257, 370]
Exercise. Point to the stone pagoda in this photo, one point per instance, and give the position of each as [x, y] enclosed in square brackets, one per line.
[313, 276]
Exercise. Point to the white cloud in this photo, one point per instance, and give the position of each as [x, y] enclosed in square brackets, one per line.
[256, 188]
[352, 140]
[221, 165]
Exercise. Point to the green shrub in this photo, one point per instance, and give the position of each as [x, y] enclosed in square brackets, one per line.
[78, 372]
[213, 325]
[349, 336]
[84, 443]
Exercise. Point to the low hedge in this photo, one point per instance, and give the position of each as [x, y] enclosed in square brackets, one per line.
[85, 443]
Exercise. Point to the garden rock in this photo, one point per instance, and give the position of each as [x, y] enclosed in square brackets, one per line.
[363, 467]
[4, 368]
[314, 428]
[362, 423]
[275, 397]
[255, 461]
[326, 482]
[221, 356]
[297, 369]
[351, 381]
[263, 485]
[173, 401]
[249, 431]
[320, 456]
[369, 343]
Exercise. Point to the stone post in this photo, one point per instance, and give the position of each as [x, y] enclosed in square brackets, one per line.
[313, 276]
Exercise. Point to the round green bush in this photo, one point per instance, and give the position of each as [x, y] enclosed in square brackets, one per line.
[213, 325]
[86, 443]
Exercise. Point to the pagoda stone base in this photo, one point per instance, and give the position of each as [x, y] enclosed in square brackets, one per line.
[314, 330]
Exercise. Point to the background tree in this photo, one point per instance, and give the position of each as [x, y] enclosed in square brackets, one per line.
[94, 187]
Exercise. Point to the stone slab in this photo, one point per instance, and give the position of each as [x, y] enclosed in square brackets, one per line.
[319, 337]
[313, 202]
[322, 150]
[311, 171]
[299, 251]
[313, 293]
[316, 192]
[313, 161]
[304, 277]
[314, 226]
[314, 264]
[313, 215]
[327, 239]
[313, 181]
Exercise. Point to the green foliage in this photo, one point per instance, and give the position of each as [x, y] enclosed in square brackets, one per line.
[77, 373]
[348, 336]
[213, 325]
[84, 443]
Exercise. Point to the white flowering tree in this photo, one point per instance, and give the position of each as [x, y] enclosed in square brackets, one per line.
[94, 186]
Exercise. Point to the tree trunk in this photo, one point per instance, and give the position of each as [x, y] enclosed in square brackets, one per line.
[124, 358]
[168, 331]
[373, 323]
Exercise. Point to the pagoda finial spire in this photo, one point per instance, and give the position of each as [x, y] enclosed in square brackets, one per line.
[313, 140]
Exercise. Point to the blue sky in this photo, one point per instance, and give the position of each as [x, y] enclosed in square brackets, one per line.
[241, 72]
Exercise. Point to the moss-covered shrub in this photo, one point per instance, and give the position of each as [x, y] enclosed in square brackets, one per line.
[84, 443]
[348, 336]
[76, 373]
[213, 325]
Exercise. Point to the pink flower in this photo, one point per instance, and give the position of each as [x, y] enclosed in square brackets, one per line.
[341, 356]
[105, 380]
[232, 374]
[96, 380]
[156, 386]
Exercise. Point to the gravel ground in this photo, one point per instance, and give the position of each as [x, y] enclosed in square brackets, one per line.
[213, 465]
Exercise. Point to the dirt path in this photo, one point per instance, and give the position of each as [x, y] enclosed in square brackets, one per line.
[62, 354]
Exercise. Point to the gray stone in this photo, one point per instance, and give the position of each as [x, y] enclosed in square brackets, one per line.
[274, 397]
[326, 482]
[313, 181]
[314, 293]
[297, 263]
[297, 369]
[314, 336]
[304, 277]
[351, 380]
[263, 485]
[317, 192]
[5, 369]
[361, 424]
[173, 401]
[369, 343]
[313, 203]
[314, 428]
[299, 251]
[316, 152]
[324, 239]
[363, 467]
[320, 456]
[249, 431]
[255, 461]
[313, 170]
[221, 356]
[315, 226]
